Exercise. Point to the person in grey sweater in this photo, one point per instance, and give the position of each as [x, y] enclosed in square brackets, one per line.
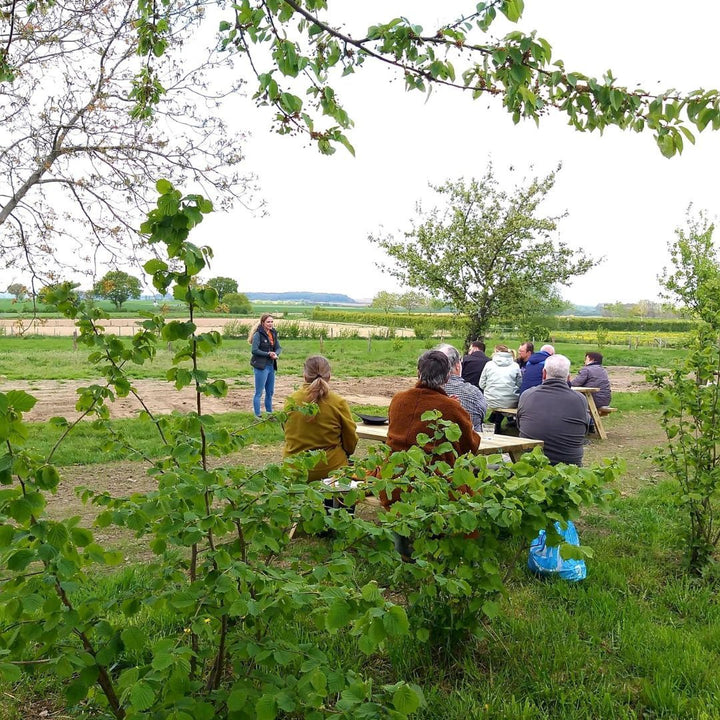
[593, 374]
[556, 414]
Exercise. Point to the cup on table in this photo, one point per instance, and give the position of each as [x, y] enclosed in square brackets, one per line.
[488, 430]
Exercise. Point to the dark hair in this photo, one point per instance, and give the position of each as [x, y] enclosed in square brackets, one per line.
[433, 369]
[317, 374]
[529, 346]
[594, 356]
[478, 345]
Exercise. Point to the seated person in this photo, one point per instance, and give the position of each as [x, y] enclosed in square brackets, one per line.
[407, 407]
[474, 362]
[532, 372]
[524, 352]
[470, 396]
[500, 381]
[594, 375]
[332, 429]
[556, 414]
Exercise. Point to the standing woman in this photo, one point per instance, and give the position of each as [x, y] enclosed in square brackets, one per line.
[265, 351]
[332, 429]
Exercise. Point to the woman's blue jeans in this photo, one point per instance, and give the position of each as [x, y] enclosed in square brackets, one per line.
[264, 380]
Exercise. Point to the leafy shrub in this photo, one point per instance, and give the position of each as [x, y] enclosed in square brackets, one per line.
[423, 330]
[238, 303]
[232, 619]
[236, 329]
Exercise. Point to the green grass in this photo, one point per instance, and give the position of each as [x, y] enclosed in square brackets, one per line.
[53, 358]
[636, 639]
[90, 444]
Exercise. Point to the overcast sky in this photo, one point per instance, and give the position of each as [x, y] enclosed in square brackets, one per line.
[622, 197]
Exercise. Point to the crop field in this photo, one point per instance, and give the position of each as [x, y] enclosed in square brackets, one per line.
[638, 638]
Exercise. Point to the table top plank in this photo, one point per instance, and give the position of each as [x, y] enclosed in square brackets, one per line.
[488, 444]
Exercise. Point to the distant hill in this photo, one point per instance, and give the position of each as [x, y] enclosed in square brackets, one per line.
[306, 297]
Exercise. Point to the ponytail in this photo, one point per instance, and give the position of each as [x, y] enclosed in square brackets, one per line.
[317, 375]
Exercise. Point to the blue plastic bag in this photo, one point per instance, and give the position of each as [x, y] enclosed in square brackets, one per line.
[546, 560]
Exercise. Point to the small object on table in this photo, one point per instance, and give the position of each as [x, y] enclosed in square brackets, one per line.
[373, 419]
[488, 431]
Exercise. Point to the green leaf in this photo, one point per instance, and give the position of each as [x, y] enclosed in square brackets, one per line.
[10, 673]
[371, 592]
[47, 477]
[512, 9]
[155, 265]
[20, 559]
[666, 144]
[81, 536]
[406, 700]
[395, 621]
[20, 400]
[142, 696]
[265, 708]
[133, 638]
[236, 700]
[338, 616]
[491, 608]
[163, 187]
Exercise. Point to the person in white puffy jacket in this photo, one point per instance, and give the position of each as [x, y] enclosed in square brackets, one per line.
[500, 381]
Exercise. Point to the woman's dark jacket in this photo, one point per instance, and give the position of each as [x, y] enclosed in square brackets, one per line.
[262, 347]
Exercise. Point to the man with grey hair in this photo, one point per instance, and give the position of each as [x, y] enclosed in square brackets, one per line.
[470, 396]
[554, 413]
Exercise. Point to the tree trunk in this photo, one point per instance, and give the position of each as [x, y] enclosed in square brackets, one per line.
[476, 330]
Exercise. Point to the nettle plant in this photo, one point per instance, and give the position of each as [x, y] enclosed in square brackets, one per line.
[229, 616]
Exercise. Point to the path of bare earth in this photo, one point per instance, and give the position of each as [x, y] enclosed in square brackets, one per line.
[59, 397]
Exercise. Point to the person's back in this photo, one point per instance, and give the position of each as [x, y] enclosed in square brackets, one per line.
[474, 362]
[593, 374]
[332, 429]
[407, 407]
[556, 414]
[532, 373]
[500, 379]
[468, 395]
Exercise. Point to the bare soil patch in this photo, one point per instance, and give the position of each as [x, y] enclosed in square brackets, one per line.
[59, 397]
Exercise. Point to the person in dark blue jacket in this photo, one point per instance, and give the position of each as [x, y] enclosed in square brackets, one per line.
[264, 354]
[532, 374]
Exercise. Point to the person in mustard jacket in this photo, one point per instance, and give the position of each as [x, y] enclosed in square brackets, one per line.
[332, 429]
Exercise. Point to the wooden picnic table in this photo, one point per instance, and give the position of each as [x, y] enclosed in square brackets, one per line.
[588, 392]
[489, 444]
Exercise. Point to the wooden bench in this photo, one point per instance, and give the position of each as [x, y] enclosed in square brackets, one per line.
[504, 411]
[595, 412]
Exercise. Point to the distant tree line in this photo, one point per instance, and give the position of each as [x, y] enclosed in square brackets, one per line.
[118, 287]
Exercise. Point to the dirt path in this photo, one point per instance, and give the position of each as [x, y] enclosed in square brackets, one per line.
[59, 397]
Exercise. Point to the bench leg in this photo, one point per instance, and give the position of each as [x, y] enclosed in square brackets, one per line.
[595, 415]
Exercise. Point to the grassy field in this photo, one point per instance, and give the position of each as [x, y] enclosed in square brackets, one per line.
[637, 639]
[39, 358]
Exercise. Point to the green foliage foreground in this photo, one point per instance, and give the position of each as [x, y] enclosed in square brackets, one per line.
[205, 634]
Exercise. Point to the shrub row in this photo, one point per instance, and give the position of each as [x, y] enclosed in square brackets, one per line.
[656, 325]
[456, 325]
[449, 323]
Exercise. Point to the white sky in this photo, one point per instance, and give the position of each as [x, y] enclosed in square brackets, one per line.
[623, 197]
